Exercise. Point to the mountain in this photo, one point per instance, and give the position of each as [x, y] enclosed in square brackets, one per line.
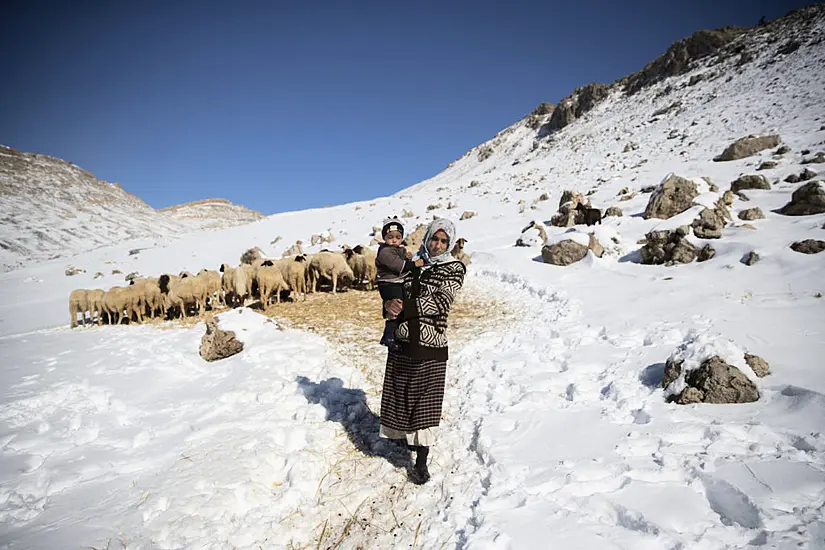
[556, 430]
[212, 213]
[52, 208]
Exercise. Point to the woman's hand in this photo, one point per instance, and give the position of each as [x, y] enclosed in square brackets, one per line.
[419, 262]
[394, 307]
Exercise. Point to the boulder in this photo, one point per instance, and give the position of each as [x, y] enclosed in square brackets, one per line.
[467, 215]
[750, 258]
[564, 252]
[767, 165]
[98, 275]
[808, 199]
[747, 146]
[672, 197]
[706, 253]
[806, 174]
[252, 254]
[758, 365]
[782, 149]
[755, 181]
[71, 270]
[668, 247]
[570, 108]
[750, 214]
[709, 224]
[218, 344]
[819, 158]
[628, 197]
[808, 246]
[132, 276]
[571, 196]
[595, 246]
[793, 178]
[714, 381]
[613, 211]
[727, 197]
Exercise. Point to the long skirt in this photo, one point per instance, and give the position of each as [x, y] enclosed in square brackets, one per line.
[412, 397]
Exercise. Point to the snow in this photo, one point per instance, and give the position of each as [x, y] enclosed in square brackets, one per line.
[555, 433]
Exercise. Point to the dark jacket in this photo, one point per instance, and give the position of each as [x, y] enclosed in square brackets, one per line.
[429, 294]
[391, 264]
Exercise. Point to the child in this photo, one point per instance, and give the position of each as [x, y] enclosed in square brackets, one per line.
[392, 264]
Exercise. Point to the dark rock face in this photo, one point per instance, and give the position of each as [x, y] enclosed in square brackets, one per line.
[714, 381]
[668, 247]
[576, 104]
[808, 199]
[808, 246]
[748, 146]
[678, 57]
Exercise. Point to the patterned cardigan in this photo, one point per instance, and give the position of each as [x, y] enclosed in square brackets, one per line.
[428, 295]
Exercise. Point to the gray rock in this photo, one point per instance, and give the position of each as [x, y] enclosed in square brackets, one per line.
[218, 344]
[808, 246]
[706, 253]
[807, 174]
[132, 276]
[758, 365]
[755, 181]
[709, 224]
[467, 215]
[750, 214]
[573, 196]
[613, 211]
[747, 146]
[98, 275]
[570, 108]
[750, 258]
[808, 199]
[793, 178]
[672, 197]
[782, 150]
[742, 197]
[714, 381]
[768, 164]
[74, 271]
[819, 158]
[250, 255]
[727, 197]
[668, 247]
[564, 252]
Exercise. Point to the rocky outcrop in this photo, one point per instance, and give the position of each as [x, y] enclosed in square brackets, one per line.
[808, 246]
[755, 181]
[613, 211]
[819, 158]
[758, 365]
[567, 215]
[750, 258]
[747, 146]
[706, 253]
[672, 197]
[751, 214]
[564, 252]
[467, 215]
[808, 199]
[679, 57]
[715, 381]
[668, 247]
[575, 105]
[218, 344]
[709, 224]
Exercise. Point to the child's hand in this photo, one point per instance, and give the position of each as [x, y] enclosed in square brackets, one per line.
[419, 263]
[409, 254]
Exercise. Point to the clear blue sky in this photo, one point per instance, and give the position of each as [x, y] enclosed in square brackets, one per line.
[291, 105]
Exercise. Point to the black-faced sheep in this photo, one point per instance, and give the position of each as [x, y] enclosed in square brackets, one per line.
[591, 215]
[296, 276]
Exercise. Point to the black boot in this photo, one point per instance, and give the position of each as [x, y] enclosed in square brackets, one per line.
[420, 473]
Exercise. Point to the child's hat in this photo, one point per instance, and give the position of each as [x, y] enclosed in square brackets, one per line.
[392, 224]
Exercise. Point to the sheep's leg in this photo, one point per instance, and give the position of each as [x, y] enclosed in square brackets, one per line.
[72, 316]
[334, 281]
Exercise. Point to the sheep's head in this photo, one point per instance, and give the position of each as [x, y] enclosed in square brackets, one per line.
[300, 258]
[348, 252]
[358, 249]
[267, 263]
[184, 274]
[580, 207]
[223, 268]
[163, 283]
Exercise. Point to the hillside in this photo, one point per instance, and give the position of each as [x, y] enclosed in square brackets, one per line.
[557, 431]
[52, 209]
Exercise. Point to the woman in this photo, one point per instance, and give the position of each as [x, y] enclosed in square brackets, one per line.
[414, 380]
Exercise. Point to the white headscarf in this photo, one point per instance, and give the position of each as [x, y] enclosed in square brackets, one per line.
[447, 227]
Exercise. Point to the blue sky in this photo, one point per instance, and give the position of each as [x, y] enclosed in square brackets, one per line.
[291, 105]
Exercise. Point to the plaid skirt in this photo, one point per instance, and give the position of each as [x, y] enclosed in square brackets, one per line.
[413, 393]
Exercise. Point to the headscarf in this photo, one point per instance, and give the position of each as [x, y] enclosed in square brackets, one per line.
[447, 227]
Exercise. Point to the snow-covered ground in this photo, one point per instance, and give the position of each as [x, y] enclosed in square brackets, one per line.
[556, 432]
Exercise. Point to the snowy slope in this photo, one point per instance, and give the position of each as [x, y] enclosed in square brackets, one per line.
[52, 208]
[556, 433]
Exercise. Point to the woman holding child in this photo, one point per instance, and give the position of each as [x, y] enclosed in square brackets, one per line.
[417, 293]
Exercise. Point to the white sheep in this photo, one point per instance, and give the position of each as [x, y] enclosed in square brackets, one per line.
[296, 276]
[118, 300]
[149, 295]
[458, 251]
[372, 272]
[186, 292]
[332, 266]
[227, 274]
[358, 264]
[78, 303]
[212, 280]
[95, 298]
[270, 279]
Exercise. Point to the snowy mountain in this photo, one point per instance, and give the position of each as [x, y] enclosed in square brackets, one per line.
[557, 431]
[52, 208]
[213, 213]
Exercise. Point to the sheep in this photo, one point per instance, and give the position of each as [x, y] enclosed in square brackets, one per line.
[270, 280]
[95, 298]
[241, 284]
[296, 276]
[184, 274]
[149, 295]
[118, 299]
[78, 303]
[329, 265]
[369, 255]
[358, 264]
[458, 251]
[226, 284]
[212, 280]
[190, 291]
[591, 215]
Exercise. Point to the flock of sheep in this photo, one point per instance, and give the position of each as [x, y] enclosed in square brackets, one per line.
[258, 278]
